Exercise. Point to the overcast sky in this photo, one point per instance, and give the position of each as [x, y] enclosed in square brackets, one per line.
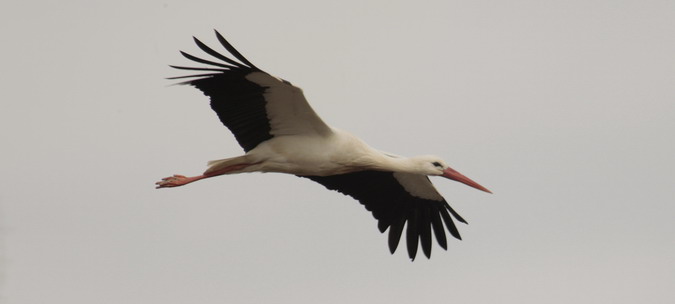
[564, 109]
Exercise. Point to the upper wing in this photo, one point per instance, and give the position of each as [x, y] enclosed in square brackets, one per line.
[397, 198]
[254, 105]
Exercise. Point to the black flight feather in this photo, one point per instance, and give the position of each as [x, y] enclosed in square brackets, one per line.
[198, 69]
[395, 231]
[411, 233]
[450, 224]
[204, 61]
[439, 232]
[234, 51]
[395, 208]
[192, 76]
[424, 228]
[213, 53]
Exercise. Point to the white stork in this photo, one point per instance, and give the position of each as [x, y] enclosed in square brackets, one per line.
[280, 132]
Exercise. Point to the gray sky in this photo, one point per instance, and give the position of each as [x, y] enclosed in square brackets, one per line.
[565, 109]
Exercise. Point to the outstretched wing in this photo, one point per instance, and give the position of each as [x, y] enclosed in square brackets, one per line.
[396, 199]
[253, 104]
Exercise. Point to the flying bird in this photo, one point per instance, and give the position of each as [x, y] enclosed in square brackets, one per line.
[275, 125]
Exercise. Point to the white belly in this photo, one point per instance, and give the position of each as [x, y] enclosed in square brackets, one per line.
[313, 155]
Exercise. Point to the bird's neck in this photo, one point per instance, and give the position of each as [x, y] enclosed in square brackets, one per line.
[395, 164]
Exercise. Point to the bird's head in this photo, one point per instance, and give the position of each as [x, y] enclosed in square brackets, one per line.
[434, 165]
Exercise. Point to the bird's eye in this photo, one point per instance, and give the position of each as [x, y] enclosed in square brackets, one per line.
[437, 164]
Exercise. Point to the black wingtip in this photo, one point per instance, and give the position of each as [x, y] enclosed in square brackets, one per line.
[455, 214]
[204, 61]
[197, 69]
[382, 226]
[215, 54]
[439, 231]
[193, 76]
[449, 223]
[395, 235]
[234, 51]
[412, 235]
[424, 229]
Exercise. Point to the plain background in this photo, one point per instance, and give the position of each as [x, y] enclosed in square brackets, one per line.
[565, 109]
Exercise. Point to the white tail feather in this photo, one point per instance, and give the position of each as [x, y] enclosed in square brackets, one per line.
[213, 162]
[218, 164]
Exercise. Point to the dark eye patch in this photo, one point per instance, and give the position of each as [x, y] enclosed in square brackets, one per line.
[437, 164]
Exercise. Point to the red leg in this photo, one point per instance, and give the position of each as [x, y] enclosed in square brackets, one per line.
[177, 180]
[180, 180]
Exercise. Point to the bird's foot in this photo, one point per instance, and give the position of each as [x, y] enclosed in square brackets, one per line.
[175, 181]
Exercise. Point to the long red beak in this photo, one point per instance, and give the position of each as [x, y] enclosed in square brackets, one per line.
[456, 176]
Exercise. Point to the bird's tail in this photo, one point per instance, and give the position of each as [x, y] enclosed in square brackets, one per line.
[215, 165]
[217, 161]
